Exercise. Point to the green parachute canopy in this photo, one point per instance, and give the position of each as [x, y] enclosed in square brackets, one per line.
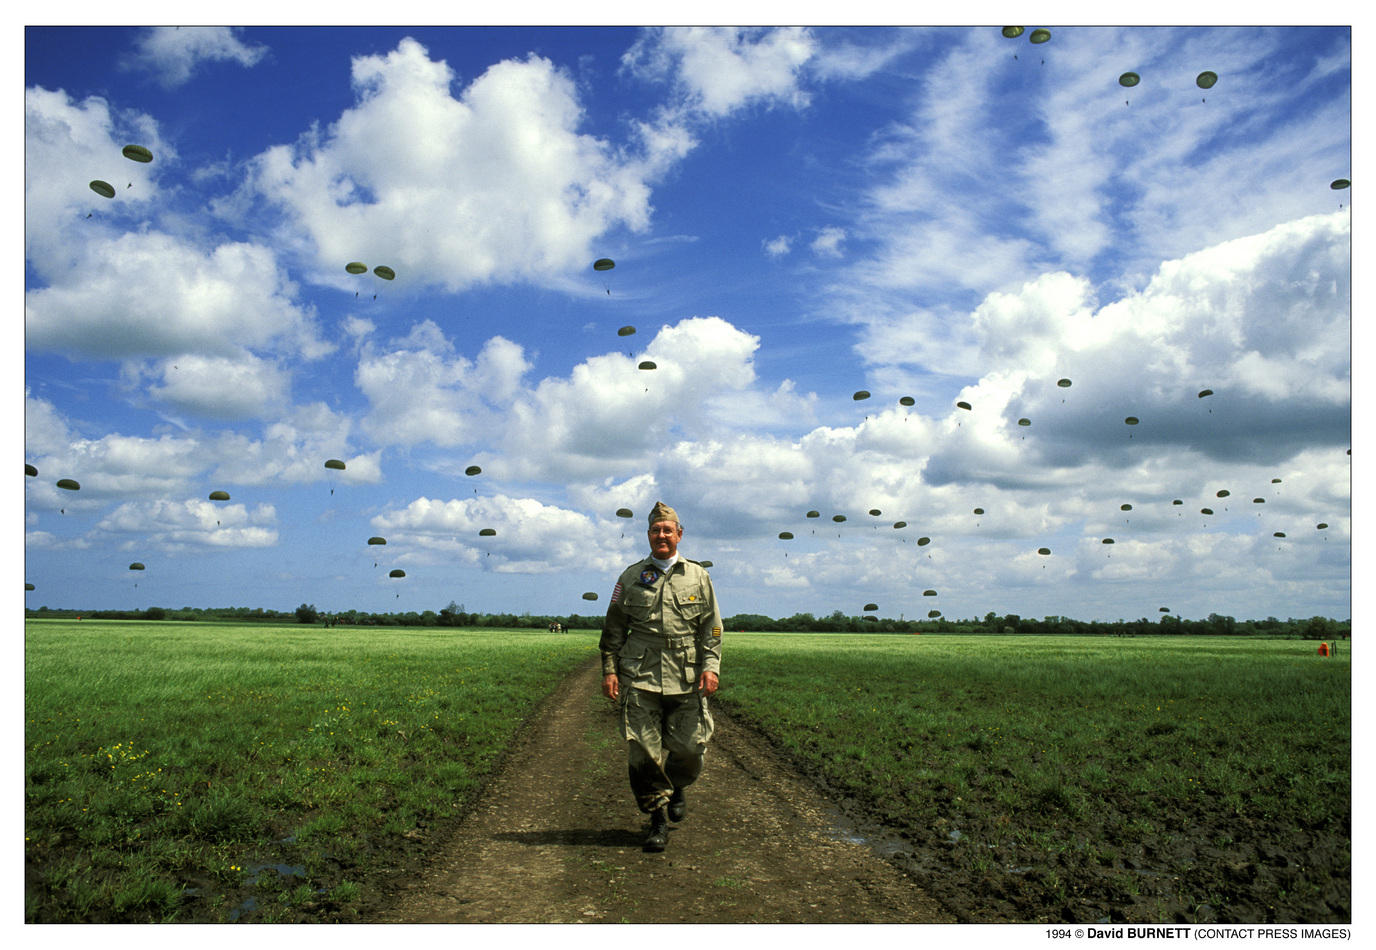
[1337, 184]
[1040, 36]
[1063, 383]
[1024, 421]
[1223, 493]
[1321, 525]
[875, 512]
[377, 540]
[933, 613]
[907, 401]
[1129, 80]
[705, 563]
[385, 272]
[1107, 541]
[962, 405]
[219, 496]
[785, 535]
[979, 511]
[356, 267]
[1043, 551]
[473, 470]
[647, 364]
[103, 188]
[335, 464]
[861, 394]
[136, 566]
[1125, 507]
[396, 572]
[70, 484]
[1012, 32]
[1206, 79]
[1205, 392]
[626, 331]
[137, 153]
[1131, 421]
[871, 607]
[624, 513]
[590, 595]
[1164, 610]
[838, 518]
[1206, 511]
[900, 524]
[1278, 534]
[487, 533]
[1258, 501]
[29, 469]
[603, 263]
[1178, 501]
[29, 587]
[814, 514]
[929, 593]
[923, 542]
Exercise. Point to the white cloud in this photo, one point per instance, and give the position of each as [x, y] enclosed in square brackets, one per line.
[175, 53]
[497, 185]
[222, 387]
[779, 246]
[177, 525]
[827, 243]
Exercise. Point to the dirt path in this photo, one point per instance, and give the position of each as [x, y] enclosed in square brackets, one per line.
[556, 839]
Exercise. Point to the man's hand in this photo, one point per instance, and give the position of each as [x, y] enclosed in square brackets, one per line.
[707, 682]
[611, 686]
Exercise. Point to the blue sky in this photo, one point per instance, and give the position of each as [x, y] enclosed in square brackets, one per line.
[796, 215]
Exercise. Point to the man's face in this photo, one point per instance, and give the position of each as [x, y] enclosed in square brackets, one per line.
[664, 538]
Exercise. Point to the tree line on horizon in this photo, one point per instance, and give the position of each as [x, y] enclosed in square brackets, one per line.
[454, 615]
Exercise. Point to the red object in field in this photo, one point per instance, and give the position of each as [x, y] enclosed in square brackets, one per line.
[1323, 649]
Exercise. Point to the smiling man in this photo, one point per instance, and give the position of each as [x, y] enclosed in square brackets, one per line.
[661, 654]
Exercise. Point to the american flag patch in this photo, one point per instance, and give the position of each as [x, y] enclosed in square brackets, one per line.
[616, 593]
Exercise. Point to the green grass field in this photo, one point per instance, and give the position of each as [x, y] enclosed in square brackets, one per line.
[201, 771]
[1095, 764]
[195, 771]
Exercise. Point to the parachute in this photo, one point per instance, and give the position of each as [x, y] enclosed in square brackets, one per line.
[907, 401]
[604, 263]
[1206, 511]
[624, 513]
[1125, 507]
[136, 566]
[396, 572]
[900, 524]
[376, 540]
[1063, 383]
[1206, 79]
[647, 364]
[487, 533]
[1258, 501]
[929, 593]
[814, 514]
[1278, 534]
[590, 595]
[28, 586]
[875, 512]
[1024, 421]
[923, 542]
[335, 464]
[1012, 32]
[385, 272]
[705, 563]
[838, 518]
[103, 188]
[1337, 184]
[137, 153]
[1040, 36]
[1129, 80]
[861, 394]
[1223, 493]
[626, 331]
[1107, 541]
[933, 613]
[356, 267]
[1164, 610]
[962, 405]
[1205, 392]
[871, 607]
[1177, 501]
[1131, 421]
[218, 496]
[1321, 525]
[473, 470]
[1275, 481]
[979, 511]
[29, 469]
[785, 535]
[70, 484]
[1043, 551]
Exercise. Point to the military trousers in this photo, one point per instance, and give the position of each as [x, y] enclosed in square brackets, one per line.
[666, 737]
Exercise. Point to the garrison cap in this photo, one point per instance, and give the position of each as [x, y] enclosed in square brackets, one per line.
[662, 512]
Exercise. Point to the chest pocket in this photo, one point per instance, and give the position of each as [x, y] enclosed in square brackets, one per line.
[638, 602]
[690, 601]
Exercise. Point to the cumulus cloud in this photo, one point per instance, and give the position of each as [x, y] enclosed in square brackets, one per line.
[827, 243]
[779, 246]
[196, 523]
[495, 185]
[222, 387]
[174, 54]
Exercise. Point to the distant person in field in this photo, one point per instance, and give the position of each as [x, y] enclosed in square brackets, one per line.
[661, 654]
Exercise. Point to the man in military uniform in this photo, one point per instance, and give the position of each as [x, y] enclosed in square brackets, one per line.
[661, 654]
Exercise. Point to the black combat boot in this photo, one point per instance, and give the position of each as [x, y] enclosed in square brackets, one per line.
[659, 830]
[678, 807]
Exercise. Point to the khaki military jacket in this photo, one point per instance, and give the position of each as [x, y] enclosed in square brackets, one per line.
[662, 630]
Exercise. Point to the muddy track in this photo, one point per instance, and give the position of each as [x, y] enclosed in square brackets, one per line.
[555, 838]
